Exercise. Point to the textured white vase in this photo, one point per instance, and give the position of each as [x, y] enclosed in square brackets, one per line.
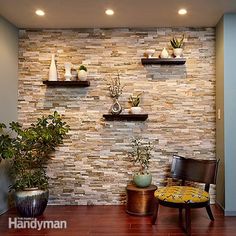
[178, 52]
[82, 75]
[164, 53]
[68, 74]
[150, 52]
[136, 110]
[53, 70]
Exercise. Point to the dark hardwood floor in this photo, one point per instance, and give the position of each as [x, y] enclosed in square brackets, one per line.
[114, 221]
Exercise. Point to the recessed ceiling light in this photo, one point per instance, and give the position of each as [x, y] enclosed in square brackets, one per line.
[182, 11]
[40, 12]
[109, 12]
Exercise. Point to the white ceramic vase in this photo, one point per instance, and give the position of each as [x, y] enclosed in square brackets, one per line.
[67, 71]
[82, 75]
[178, 52]
[164, 53]
[135, 110]
[53, 69]
[150, 52]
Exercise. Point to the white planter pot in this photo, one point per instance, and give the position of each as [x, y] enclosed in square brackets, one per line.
[136, 110]
[82, 75]
[178, 52]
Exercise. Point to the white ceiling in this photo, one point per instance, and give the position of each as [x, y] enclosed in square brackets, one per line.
[128, 13]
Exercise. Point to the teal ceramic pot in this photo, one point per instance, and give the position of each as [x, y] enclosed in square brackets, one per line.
[142, 180]
[31, 202]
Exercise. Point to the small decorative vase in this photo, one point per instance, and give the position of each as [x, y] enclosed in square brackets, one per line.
[178, 52]
[31, 202]
[164, 53]
[116, 108]
[142, 180]
[52, 69]
[136, 110]
[67, 71]
[82, 75]
[150, 53]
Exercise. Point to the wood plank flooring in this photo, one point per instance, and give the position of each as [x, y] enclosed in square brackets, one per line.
[114, 221]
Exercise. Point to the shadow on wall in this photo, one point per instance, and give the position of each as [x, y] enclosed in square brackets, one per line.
[166, 72]
[5, 196]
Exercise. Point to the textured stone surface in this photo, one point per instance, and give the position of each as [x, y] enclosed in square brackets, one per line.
[92, 166]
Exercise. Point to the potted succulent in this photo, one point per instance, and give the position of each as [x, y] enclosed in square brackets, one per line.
[141, 154]
[82, 73]
[28, 151]
[135, 100]
[177, 45]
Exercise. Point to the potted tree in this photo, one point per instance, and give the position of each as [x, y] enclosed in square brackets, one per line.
[177, 45]
[135, 100]
[141, 154]
[28, 150]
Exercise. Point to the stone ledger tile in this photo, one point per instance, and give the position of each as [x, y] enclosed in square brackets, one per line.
[92, 166]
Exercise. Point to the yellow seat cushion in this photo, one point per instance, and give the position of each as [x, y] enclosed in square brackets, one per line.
[182, 194]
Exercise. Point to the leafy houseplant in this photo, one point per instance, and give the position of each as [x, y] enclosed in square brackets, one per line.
[141, 154]
[135, 100]
[82, 67]
[29, 150]
[177, 45]
[82, 73]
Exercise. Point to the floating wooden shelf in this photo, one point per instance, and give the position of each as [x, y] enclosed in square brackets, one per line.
[67, 83]
[163, 61]
[127, 117]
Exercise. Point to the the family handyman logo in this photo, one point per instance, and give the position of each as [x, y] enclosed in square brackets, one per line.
[33, 223]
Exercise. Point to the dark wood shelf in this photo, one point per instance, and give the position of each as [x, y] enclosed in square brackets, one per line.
[126, 117]
[163, 61]
[67, 83]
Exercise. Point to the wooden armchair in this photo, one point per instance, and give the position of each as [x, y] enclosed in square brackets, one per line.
[186, 197]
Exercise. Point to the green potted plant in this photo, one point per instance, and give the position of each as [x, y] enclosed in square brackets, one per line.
[28, 151]
[135, 100]
[82, 73]
[141, 154]
[177, 45]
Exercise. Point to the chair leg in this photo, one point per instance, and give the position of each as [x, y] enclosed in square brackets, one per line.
[155, 211]
[209, 212]
[181, 218]
[188, 220]
[180, 214]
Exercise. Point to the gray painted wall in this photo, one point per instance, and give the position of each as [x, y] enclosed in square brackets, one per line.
[230, 112]
[8, 92]
[225, 100]
[220, 187]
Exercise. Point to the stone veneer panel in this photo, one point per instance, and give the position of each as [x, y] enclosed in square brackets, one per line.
[92, 166]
